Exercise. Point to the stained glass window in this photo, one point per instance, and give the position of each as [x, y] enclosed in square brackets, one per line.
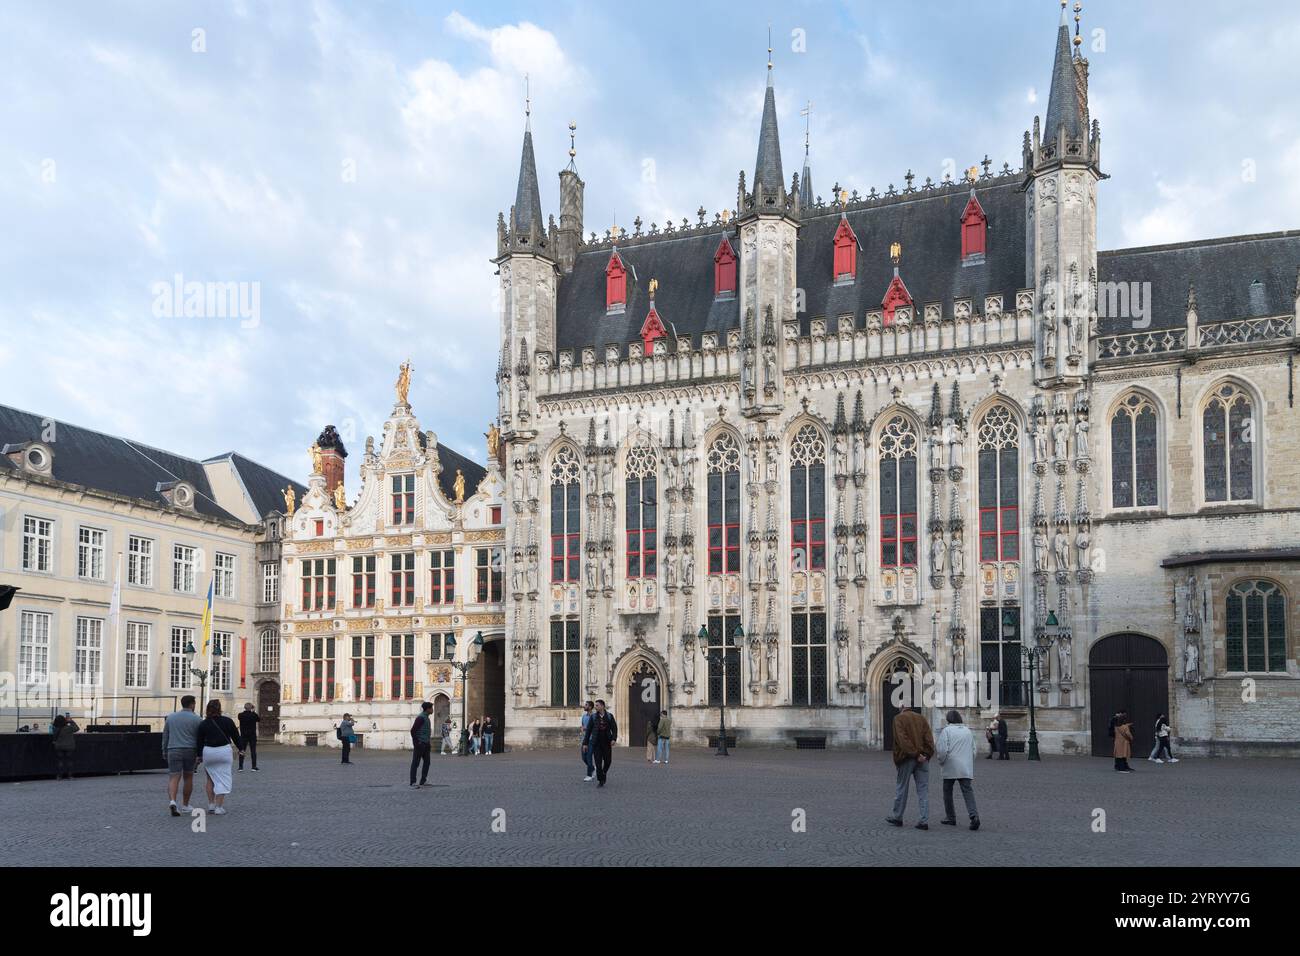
[808, 500]
[1255, 630]
[808, 659]
[1227, 440]
[898, 517]
[641, 508]
[723, 463]
[566, 515]
[1134, 455]
[999, 485]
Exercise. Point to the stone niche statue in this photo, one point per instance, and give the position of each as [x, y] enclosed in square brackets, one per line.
[842, 562]
[957, 553]
[956, 449]
[688, 568]
[755, 564]
[1061, 545]
[1081, 428]
[532, 669]
[670, 570]
[688, 662]
[772, 569]
[1040, 443]
[1060, 440]
[771, 660]
[936, 447]
[1065, 658]
[591, 571]
[1192, 663]
[938, 552]
[841, 456]
[860, 560]
[1040, 549]
[841, 658]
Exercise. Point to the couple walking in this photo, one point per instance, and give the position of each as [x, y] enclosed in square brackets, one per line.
[212, 742]
[914, 746]
[599, 732]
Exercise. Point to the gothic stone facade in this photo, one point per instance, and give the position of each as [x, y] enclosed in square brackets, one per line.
[927, 430]
[375, 590]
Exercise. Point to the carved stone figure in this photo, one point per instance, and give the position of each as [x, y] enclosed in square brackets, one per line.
[1049, 340]
[1060, 440]
[1065, 658]
[841, 659]
[532, 668]
[1061, 545]
[1040, 549]
[289, 497]
[842, 562]
[1082, 542]
[517, 577]
[534, 482]
[607, 475]
[841, 456]
[591, 572]
[772, 569]
[688, 662]
[769, 370]
[957, 553]
[956, 449]
[771, 463]
[1081, 437]
[859, 453]
[936, 447]
[747, 372]
[688, 568]
[771, 659]
[1073, 327]
[755, 659]
[606, 572]
[670, 569]
[860, 561]
[1192, 663]
[1040, 443]
[532, 575]
[938, 553]
[517, 483]
[755, 565]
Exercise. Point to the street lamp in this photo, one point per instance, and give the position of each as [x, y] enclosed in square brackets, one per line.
[202, 675]
[1044, 639]
[719, 659]
[463, 667]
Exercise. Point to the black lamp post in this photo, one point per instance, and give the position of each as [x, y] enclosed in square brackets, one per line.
[202, 675]
[463, 667]
[719, 659]
[1044, 639]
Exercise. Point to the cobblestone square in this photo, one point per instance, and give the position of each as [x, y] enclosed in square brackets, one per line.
[305, 809]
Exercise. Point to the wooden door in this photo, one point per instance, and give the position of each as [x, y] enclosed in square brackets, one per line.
[1127, 672]
[268, 708]
[644, 695]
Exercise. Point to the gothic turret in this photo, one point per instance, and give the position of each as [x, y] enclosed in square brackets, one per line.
[526, 224]
[769, 185]
[569, 235]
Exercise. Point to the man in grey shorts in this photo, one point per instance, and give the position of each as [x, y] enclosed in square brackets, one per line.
[179, 744]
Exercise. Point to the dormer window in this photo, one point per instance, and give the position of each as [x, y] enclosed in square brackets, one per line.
[895, 296]
[651, 329]
[615, 284]
[724, 271]
[846, 252]
[974, 226]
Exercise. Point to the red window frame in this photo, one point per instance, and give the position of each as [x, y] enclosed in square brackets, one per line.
[403, 494]
[724, 270]
[615, 282]
[403, 579]
[1005, 532]
[363, 667]
[318, 669]
[651, 329]
[973, 229]
[814, 531]
[318, 592]
[495, 514]
[320, 527]
[642, 541]
[846, 252]
[363, 581]
[402, 671]
[442, 577]
[895, 296]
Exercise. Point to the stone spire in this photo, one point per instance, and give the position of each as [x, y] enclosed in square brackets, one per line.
[805, 177]
[1065, 104]
[527, 213]
[769, 181]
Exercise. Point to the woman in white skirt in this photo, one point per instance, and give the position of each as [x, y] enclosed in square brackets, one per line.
[217, 742]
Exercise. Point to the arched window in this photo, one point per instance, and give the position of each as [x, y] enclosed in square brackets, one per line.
[641, 469]
[808, 500]
[1255, 638]
[1134, 462]
[724, 270]
[898, 494]
[615, 284]
[999, 485]
[723, 464]
[269, 659]
[1227, 445]
[566, 515]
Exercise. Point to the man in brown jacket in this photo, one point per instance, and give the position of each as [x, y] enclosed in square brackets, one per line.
[1123, 742]
[913, 748]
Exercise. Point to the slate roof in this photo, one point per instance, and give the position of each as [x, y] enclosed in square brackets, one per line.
[767, 165]
[119, 466]
[264, 486]
[450, 459]
[1063, 106]
[528, 203]
[1223, 271]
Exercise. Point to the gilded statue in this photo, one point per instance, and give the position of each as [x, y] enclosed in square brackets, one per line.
[288, 500]
[493, 436]
[315, 459]
[340, 498]
[403, 384]
[459, 485]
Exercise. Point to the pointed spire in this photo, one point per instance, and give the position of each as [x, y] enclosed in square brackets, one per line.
[805, 177]
[841, 422]
[768, 177]
[1063, 106]
[936, 407]
[527, 213]
[954, 408]
[859, 416]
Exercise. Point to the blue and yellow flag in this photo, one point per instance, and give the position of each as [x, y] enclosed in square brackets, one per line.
[207, 616]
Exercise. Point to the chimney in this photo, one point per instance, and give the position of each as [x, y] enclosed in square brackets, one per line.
[333, 456]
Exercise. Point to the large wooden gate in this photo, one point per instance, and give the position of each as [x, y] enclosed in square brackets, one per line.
[1127, 672]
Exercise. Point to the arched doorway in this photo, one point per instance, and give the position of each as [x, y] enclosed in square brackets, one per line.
[898, 677]
[644, 700]
[441, 711]
[268, 708]
[486, 688]
[1127, 672]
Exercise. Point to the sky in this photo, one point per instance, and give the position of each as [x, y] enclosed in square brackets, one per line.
[346, 162]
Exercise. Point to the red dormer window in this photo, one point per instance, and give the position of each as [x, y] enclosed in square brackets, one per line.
[895, 296]
[973, 227]
[651, 329]
[846, 252]
[615, 283]
[724, 270]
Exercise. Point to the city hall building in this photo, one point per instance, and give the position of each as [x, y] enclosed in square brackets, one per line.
[772, 458]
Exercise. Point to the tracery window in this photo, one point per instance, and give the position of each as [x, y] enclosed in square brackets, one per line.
[723, 464]
[566, 515]
[808, 658]
[999, 485]
[1134, 459]
[808, 500]
[1227, 445]
[566, 664]
[1255, 638]
[898, 493]
[641, 505]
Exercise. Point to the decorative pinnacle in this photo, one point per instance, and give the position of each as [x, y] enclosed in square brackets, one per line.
[573, 129]
[806, 112]
[528, 104]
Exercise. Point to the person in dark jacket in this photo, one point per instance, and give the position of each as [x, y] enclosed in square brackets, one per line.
[421, 735]
[599, 738]
[248, 735]
[217, 736]
[347, 732]
[65, 742]
[1002, 739]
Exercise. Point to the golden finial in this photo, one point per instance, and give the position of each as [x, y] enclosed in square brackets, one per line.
[971, 173]
[895, 251]
[573, 129]
[726, 215]
[844, 197]
[654, 287]
[769, 48]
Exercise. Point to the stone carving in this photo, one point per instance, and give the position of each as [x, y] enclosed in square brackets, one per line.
[688, 569]
[1040, 550]
[842, 562]
[938, 553]
[1082, 543]
[1060, 440]
[860, 561]
[1081, 428]
[1040, 443]
[957, 553]
[1065, 657]
[1192, 663]
[1061, 545]
[670, 569]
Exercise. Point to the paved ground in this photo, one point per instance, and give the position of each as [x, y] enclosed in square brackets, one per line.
[304, 808]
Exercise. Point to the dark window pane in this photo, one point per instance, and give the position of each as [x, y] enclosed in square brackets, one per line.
[1008, 478]
[1147, 464]
[1276, 631]
[1214, 442]
[1241, 452]
[1234, 631]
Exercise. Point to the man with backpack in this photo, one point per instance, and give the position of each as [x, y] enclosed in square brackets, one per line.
[421, 733]
[598, 740]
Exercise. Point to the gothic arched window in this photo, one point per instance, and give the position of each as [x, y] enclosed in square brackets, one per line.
[1227, 445]
[898, 494]
[808, 500]
[566, 515]
[641, 469]
[1134, 462]
[999, 485]
[723, 464]
[1255, 638]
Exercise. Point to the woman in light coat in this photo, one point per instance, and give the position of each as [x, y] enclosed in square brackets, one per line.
[1123, 742]
[955, 751]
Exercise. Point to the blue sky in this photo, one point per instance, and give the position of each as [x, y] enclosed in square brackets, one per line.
[352, 158]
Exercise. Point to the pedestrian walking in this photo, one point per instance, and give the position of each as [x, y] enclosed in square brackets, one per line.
[248, 721]
[446, 738]
[217, 739]
[421, 731]
[588, 761]
[1002, 738]
[991, 735]
[955, 751]
[665, 737]
[1123, 742]
[180, 750]
[65, 744]
[347, 734]
[475, 736]
[1162, 741]
[651, 738]
[913, 748]
[600, 735]
[489, 734]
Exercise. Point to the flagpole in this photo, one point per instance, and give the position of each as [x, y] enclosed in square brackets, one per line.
[117, 632]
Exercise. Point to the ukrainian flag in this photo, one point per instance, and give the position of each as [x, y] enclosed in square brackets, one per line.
[207, 616]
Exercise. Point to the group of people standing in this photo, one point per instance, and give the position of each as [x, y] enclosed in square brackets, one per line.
[914, 748]
[1121, 731]
[211, 742]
